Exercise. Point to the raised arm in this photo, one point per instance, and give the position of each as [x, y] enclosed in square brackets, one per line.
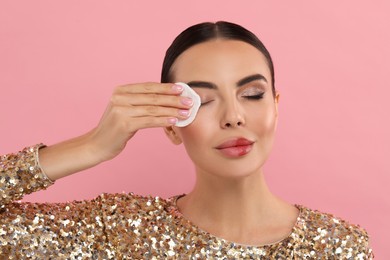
[131, 107]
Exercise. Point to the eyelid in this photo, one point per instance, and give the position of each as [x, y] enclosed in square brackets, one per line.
[252, 91]
[254, 97]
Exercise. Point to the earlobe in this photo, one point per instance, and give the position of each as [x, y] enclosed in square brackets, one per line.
[172, 135]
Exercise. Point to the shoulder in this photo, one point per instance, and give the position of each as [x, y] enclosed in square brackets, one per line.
[335, 235]
[323, 223]
[130, 202]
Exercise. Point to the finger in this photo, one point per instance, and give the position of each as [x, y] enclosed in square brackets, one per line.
[151, 111]
[151, 99]
[150, 87]
[151, 122]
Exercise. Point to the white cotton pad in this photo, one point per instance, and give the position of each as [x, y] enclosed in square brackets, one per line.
[189, 92]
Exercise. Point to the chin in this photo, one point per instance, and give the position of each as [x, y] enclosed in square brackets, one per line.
[235, 171]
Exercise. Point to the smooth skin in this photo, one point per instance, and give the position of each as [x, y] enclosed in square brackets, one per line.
[230, 198]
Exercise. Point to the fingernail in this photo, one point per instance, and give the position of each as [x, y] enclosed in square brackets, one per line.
[177, 88]
[172, 120]
[184, 112]
[186, 101]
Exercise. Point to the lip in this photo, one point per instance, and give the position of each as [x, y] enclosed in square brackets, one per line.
[235, 147]
[241, 141]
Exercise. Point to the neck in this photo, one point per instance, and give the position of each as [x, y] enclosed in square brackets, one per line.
[232, 207]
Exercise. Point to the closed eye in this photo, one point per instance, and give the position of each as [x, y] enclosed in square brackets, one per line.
[254, 97]
[205, 103]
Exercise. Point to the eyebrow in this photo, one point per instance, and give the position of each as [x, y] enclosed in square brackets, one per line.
[241, 82]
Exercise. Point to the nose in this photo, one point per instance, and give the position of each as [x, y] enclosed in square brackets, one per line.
[232, 116]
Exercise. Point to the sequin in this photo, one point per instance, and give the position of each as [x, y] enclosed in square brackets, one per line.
[130, 226]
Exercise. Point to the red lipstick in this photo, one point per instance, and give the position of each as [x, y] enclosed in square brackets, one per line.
[235, 147]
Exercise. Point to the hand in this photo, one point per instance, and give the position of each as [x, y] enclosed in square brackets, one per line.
[133, 107]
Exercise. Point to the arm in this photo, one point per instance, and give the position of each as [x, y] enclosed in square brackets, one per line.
[131, 108]
[68, 157]
[21, 174]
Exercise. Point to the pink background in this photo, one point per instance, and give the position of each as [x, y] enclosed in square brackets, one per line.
[60, 60]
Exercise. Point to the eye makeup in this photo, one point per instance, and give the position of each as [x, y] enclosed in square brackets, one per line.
[249, 96]
[252, 92]
[254, 97]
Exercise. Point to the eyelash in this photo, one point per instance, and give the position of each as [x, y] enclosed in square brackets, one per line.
[253, 97]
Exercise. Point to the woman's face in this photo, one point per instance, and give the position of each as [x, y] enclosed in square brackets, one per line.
[234, 83]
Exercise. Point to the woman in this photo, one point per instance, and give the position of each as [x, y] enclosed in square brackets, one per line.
[229, 214]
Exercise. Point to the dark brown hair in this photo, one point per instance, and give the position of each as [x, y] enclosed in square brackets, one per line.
[207, 31]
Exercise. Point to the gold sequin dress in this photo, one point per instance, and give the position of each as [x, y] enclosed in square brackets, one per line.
[129, 226]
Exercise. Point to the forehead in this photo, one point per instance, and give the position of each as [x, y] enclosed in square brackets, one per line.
[220, 59]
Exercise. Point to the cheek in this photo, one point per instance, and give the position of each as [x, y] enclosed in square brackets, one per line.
[194, 141]
[197, 132]
[265, 121]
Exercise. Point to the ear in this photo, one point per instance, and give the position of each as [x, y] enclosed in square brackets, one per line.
[170, 131]
[277, 96]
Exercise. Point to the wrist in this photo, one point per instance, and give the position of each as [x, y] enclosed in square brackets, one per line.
[93, 149]
[68, 157]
